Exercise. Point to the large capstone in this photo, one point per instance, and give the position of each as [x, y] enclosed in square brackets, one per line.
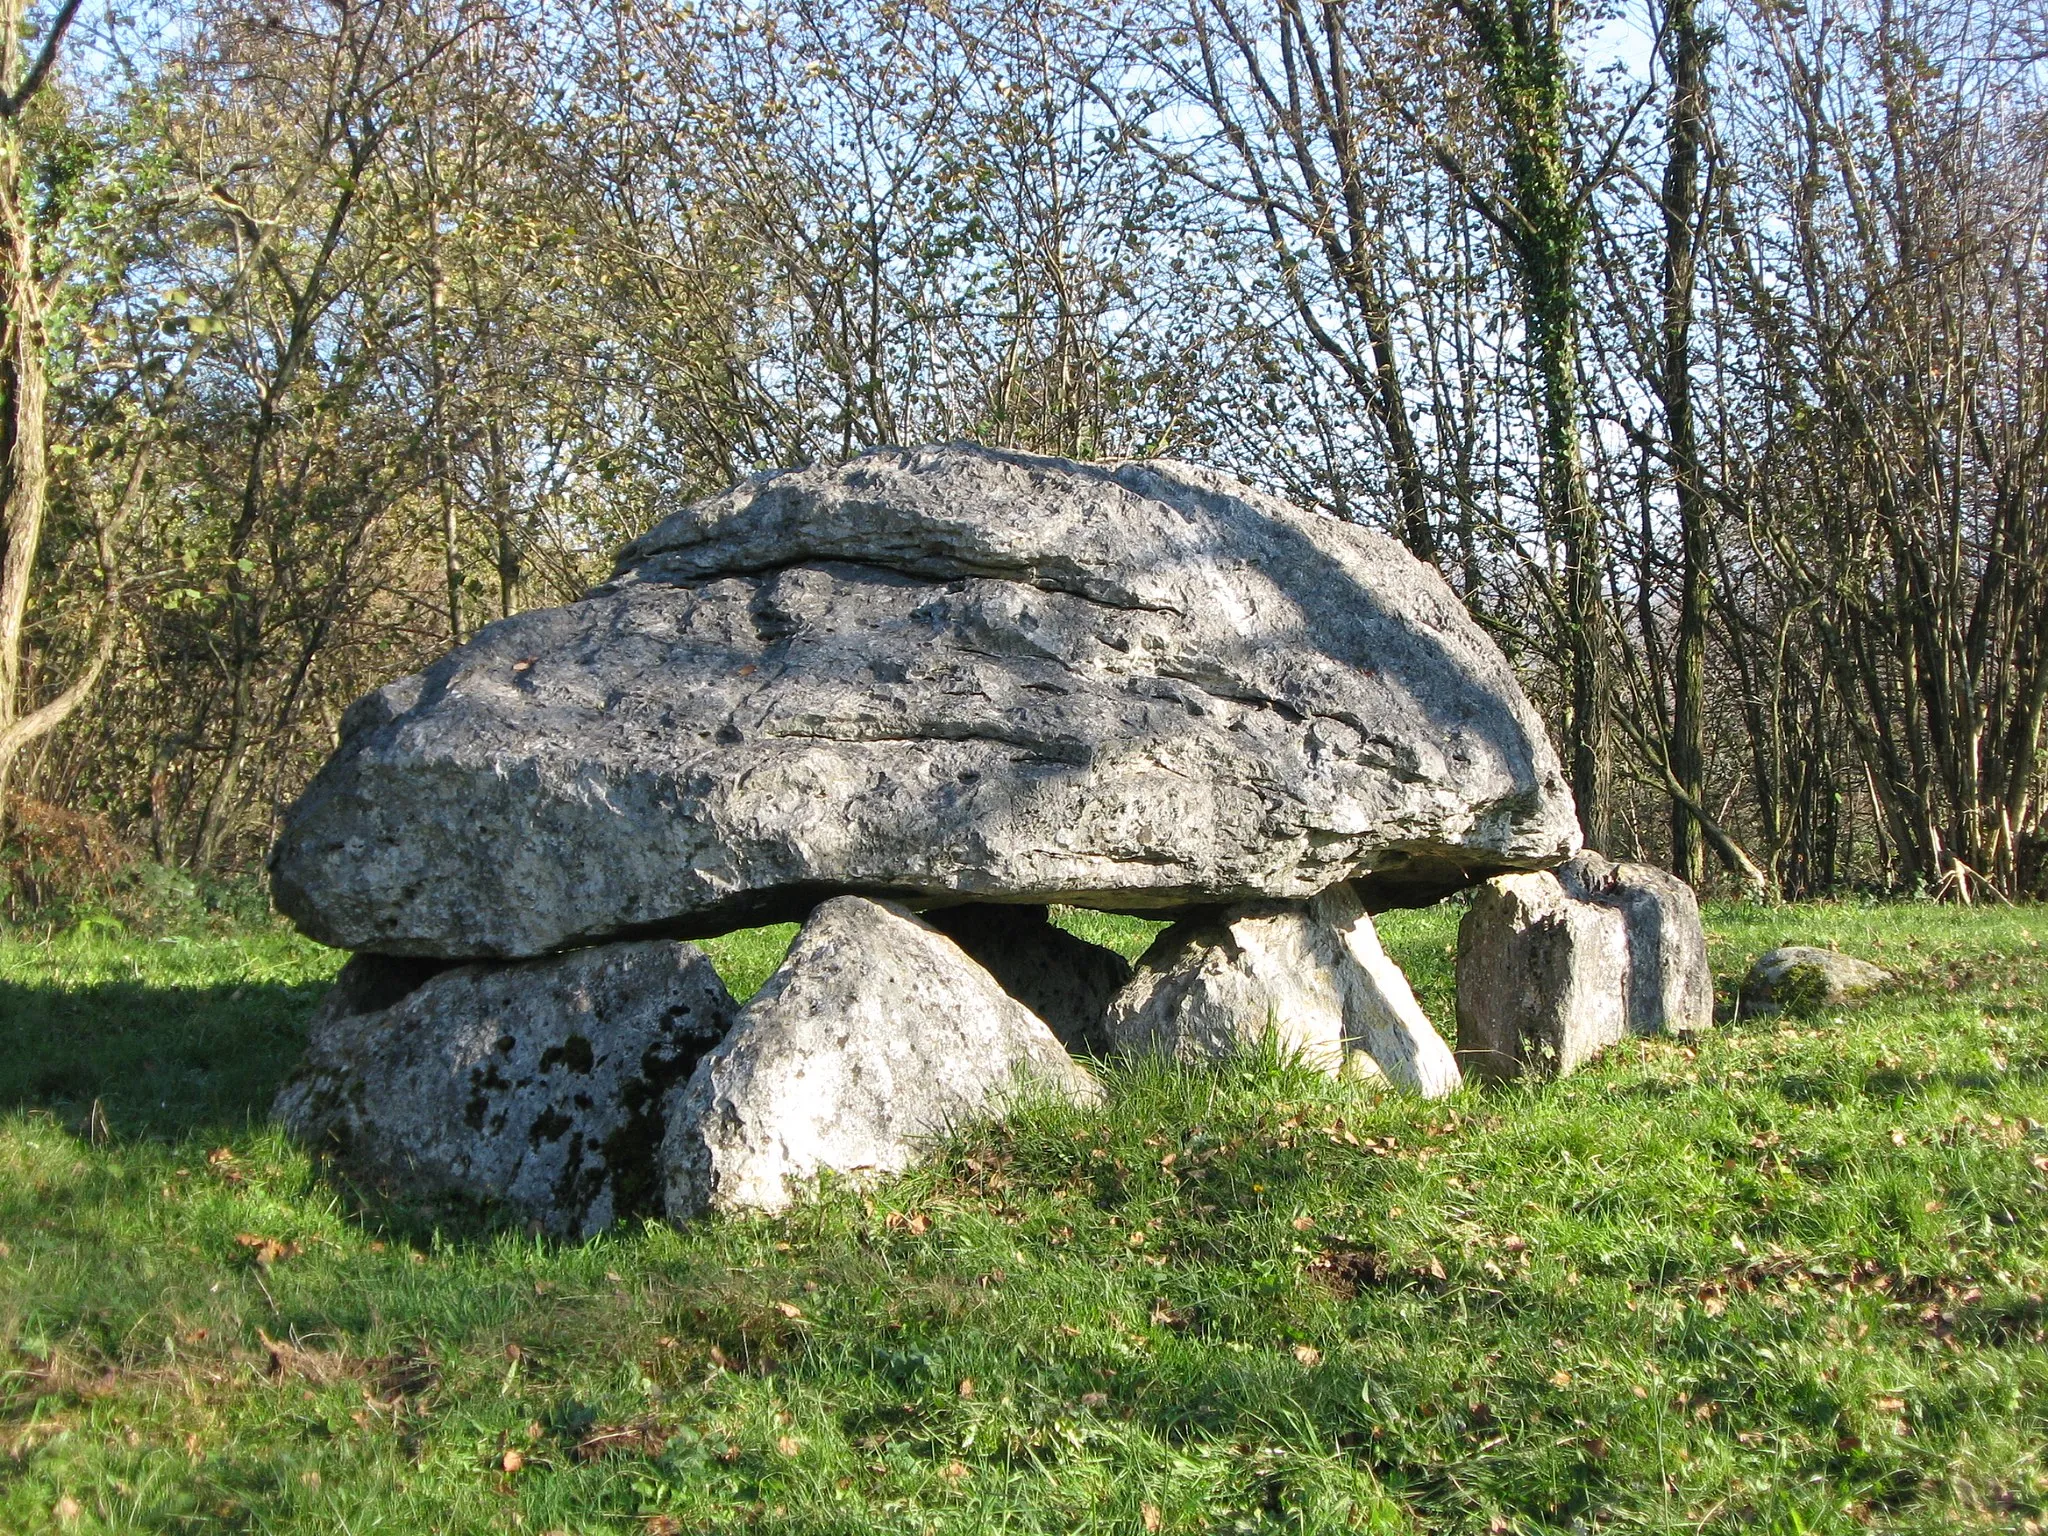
[539, 1085]
[937, 675]
[875, 1037]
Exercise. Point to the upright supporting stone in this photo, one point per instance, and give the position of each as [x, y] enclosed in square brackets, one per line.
[875, 1036]
[1381, 1015]
[1671, 988]
[1542, 979]
[538, 1084]
[1310, 977]
[1261, 972]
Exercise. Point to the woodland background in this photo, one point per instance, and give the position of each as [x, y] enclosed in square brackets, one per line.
[1702, 345]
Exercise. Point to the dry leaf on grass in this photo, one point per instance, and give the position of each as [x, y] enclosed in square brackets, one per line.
[266, 1250]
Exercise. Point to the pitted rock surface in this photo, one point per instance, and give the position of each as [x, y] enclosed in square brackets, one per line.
[540, 1085]
[934, 675]
[1671, 985]
[875, 1036]
[1543, 979]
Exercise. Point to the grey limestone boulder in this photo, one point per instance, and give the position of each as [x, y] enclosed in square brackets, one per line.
[1543, 979]
[935, 675]
[1798, 978]
[1310, 977]
[1671, 986]
[539, 1085]
[1065, 980]
[876, 1035]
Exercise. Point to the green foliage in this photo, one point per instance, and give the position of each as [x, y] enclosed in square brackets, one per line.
[1788, 1277]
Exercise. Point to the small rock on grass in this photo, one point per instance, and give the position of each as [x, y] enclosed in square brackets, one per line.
[874, 1037]
[1798, 978]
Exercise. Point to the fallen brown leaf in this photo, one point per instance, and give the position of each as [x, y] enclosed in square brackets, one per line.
[266, 1250]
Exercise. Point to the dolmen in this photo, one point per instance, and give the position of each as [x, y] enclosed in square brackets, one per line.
[910, 702]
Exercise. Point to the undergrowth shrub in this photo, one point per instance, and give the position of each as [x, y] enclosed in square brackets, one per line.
[63, 870]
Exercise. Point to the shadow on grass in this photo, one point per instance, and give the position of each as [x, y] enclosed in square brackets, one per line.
[162, 1062]
[168, 1064]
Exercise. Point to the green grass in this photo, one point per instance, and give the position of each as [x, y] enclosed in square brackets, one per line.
[1787, 1278]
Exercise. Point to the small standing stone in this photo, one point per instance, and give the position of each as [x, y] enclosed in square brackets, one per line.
[1542, 979]
[875, 1036]
[537, 1084]
[1311, 977]
[1208, 990]
[1065, 980]
[1797, 978]
[1671, 987]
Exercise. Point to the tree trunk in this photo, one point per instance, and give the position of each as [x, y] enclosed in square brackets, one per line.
[1520, 46]
[24, 401]
[24, 390]
[1684, 133]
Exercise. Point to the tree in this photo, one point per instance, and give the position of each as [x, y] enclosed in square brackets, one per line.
[1520, 48]
[1687, 46]
[27, 289]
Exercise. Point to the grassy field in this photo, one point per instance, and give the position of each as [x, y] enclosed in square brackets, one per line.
[1787, 1278]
